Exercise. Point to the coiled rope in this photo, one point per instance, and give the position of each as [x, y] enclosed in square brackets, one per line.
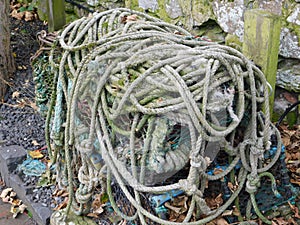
[138, 99]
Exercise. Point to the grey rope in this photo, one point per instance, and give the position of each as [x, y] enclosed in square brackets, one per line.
[123, 90]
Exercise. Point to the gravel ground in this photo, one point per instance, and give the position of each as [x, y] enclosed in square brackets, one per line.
[20, 123]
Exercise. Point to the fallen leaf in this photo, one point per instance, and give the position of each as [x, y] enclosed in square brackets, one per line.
[131, 18]
[35, 143]
[222, 221]
[21, 104]
[5, 192]
[29, 16]
[16, 202]
[62, 205]
[35, 154]
[17, 15]
[295, 210]
[22, 208]
[15, 211]
[12, 194]
[6, 199]
[279, 221]
[15, 94]
[34, 106]
[175, 209]
[99, 210]
[93, 215]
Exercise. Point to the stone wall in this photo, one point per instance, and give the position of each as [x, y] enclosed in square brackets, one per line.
[222, 20]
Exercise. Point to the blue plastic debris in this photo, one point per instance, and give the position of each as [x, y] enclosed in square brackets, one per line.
[32, 167]
[159, 200]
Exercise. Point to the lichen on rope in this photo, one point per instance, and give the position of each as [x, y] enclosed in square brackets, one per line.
[137, 100]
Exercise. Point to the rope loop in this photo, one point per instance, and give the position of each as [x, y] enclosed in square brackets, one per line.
[252, 184]
[83, 196]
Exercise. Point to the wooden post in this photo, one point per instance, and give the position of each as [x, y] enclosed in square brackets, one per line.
[56, 15]
[7, 62]
[261, 43]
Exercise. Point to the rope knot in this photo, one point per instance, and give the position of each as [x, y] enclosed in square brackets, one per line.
[85, 146]
[258, 148]
[199, 162]
[189, 188]
[252, 184]
[83, 196]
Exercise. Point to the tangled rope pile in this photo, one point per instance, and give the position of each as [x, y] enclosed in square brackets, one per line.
[137, 100]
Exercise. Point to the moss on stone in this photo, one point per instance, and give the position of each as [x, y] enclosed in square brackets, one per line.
[132, 4]
[234, 42]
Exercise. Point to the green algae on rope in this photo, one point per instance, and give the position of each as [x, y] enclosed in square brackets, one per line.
[146, 101]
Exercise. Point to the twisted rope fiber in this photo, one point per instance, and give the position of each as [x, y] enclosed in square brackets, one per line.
[110, 69]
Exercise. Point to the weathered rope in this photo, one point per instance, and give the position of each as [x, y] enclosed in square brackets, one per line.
[136, 95]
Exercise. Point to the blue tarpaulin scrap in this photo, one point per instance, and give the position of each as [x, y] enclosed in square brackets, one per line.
[32, 167]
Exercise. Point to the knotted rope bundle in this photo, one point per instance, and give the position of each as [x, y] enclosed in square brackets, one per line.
[138, 100]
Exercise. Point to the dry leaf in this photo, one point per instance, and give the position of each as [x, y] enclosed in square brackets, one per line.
[21, 103]
[227, 212]
[93, 215]
[222, 221]
[62, 205]
[15, 94]
[14, 211]
[295, 210]
[17, 15]
[34, 106]
[16, 202]
[35, 143]
[279, 221]
[131, 18]
[6, 199]
[5, 192]
[12, 194]
[22, 208]
[175, 209]
[99, 210]
[219, 199]
[36, 154]
[29, 16]
[60, 192]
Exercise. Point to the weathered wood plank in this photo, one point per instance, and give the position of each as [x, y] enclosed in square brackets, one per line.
[56, 15]
[261, 43]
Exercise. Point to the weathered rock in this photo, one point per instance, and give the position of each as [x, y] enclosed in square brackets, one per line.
[294, 17]
[173, 9]
[289, 44]
[229, 16]
[201, 12]
[288, 75]
[148, 4]
[274, 7]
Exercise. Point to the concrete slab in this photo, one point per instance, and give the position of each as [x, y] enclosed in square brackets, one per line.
[6, 217]
[10, 158]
